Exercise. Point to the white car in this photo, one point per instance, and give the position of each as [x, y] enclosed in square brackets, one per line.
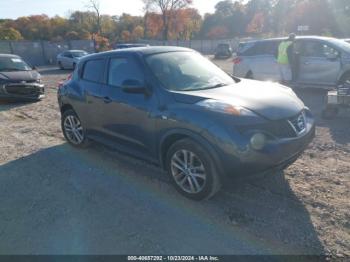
[69, 59]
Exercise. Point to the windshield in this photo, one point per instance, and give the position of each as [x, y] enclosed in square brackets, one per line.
[79, 54]
[341, 44]
[187, 71]
[13, 64]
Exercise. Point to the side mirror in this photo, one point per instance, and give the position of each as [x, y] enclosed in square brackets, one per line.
[34, 68]
[132, 86]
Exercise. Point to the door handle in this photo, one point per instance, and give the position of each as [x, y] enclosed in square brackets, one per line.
[107, 100]
[306, 63]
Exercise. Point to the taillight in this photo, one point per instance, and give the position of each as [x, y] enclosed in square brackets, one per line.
[61, 83]
[237, 60]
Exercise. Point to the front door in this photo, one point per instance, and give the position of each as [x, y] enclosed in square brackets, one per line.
[319, 64]
[127, 116]
[91, 83]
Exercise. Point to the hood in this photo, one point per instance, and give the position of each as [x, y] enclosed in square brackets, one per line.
[20, 76]
[270, 100]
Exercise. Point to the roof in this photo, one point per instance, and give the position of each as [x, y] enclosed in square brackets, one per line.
[142, 51]
[75, 51]
[285, 38]
[9, 56]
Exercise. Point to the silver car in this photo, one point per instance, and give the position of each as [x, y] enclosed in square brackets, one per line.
[69, 59]
[319, 61]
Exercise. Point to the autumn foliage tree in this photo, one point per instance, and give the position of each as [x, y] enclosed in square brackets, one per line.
[167, 8]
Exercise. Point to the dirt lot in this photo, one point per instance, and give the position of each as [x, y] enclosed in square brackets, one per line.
[59, 200]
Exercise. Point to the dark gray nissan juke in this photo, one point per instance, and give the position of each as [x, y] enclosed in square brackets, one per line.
[175, 108]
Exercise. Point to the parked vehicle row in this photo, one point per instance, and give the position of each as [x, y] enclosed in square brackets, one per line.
[175, 108]
[321, 61]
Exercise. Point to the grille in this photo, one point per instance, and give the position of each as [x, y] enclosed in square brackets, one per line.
[279, 129]
[298, 123]
[287, 128]
[22, 89]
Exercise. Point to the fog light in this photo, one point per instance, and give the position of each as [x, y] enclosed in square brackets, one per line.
[258, 141]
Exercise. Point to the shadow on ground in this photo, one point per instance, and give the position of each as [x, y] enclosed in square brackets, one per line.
[6, 105]
[64, 201]
[53, 71]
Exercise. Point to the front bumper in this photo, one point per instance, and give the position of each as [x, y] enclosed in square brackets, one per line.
[20, 91]
[276, 155]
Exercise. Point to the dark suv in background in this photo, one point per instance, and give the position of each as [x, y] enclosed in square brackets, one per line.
[223, 51]
[175, 108]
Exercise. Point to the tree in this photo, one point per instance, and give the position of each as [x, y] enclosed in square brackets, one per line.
[138, 32]
[95, 5]
[218, 32]
[167, 9]
[10, 34]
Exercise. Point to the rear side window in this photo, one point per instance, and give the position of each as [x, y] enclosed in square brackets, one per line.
[263, 48]
[93, 70]
[121, 69]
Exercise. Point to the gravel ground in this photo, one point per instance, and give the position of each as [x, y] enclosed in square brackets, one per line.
[59, 200]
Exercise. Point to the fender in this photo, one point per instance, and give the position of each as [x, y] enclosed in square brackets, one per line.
[197, 137]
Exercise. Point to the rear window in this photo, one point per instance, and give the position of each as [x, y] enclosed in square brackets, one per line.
[93, 70]
[262, 48]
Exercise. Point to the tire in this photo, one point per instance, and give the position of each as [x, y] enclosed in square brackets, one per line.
[249, 75]
[77, 136]
[345, 80]
[330, 113]
[74, 65]
[60, 65]
[203, 184]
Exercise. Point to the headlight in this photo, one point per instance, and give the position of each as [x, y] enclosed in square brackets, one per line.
[258, 141]
[222, 107]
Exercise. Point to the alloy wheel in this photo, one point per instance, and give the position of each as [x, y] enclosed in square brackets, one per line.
[188, 171]
[74, 130]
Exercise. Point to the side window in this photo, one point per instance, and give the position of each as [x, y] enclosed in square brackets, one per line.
[313, 49]
[121, 69]
[271, 48]
[93, 70]
[329, 51]
[68, 55]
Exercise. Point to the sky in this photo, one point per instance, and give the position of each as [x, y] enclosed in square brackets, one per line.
[16, 8]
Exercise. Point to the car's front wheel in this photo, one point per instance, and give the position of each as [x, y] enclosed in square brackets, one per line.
[73, 130]
[192, 170]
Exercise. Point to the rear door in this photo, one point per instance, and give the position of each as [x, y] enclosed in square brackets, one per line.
[319, 63]
[263, 61]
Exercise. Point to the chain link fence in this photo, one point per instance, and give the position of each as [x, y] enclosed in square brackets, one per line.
[40, 53]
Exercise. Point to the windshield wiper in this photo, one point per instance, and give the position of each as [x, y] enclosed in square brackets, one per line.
[215, 86]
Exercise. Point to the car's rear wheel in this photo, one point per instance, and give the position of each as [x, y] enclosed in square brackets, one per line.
[330, 113]
[345, 80]
[74, 65]
[249, 75]
[192, 170]
[73, 130]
